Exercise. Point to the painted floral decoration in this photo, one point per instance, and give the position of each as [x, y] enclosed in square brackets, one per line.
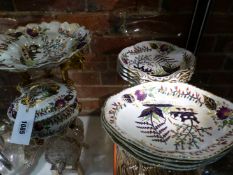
[224, 112]
[125, 60]
[163, 48]
[60, 103]
[141, 95]
[38, 127]
[43, 45]
[128, 98]
[32, 32]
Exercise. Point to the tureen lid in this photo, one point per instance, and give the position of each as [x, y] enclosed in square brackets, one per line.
[46, 96]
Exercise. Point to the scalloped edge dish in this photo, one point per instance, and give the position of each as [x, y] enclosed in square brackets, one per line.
[43, 45]
[173, 120]
[158, 61]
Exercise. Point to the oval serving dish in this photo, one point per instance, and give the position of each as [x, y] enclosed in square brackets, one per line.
[157, 61]
[171, 120]
[42, 45]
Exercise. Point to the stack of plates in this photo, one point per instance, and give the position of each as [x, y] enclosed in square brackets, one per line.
[170, 125]
[155, 61]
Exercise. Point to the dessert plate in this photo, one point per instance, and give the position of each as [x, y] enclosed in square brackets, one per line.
[143, 78]
[42, 45]
[126, 77]
[167, 163]
[172, 120]
[158, 61]
[188, 164]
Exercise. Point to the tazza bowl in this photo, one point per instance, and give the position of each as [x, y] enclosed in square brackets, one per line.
[43, 45]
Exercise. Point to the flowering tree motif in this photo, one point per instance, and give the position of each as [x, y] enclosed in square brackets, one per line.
[143, 63]
[188, 133]
[153, 122]
[146, 63]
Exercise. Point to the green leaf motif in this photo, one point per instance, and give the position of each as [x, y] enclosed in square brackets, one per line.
[146, 118]
[155, 116]
[227, 122]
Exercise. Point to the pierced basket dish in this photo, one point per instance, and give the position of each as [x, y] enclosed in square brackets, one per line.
[171, 120]
[157, 61]
[42, 45]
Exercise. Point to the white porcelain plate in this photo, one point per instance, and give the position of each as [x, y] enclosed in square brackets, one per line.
[158, 61]
[40, 45]
[173, 120]
[172, 164]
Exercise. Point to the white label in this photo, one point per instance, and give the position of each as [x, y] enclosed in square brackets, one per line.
[23, 125]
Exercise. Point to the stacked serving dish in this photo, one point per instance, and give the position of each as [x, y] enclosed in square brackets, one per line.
[170, 125]
[155, 61]
[161, 120]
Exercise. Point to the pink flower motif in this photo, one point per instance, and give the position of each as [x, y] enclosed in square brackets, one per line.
[141, 95]
[32, 32]
[125, 61]
[60, 103]
[223, 113]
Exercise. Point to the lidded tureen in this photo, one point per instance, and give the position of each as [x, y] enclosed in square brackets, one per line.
[55, 104]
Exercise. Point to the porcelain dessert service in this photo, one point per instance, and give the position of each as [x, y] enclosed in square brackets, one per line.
[155, 61]
[170, 125]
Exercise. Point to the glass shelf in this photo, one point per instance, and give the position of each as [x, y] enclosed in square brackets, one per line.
[97, 159]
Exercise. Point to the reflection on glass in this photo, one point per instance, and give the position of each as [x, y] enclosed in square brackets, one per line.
[131, 22]
[15, 155]
[144, 26]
